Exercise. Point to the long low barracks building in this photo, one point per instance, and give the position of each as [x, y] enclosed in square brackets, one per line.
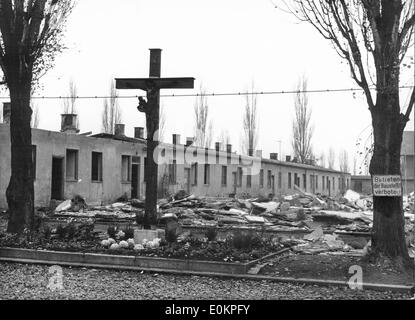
[103, 167]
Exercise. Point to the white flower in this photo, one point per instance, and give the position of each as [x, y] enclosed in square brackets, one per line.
[120, 234]
[105, 243]
[138, 247]
[123, 244]
[114, 246]
[131, 242]
[111, 240]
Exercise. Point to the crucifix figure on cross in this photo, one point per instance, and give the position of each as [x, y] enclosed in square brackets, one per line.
[151, 108]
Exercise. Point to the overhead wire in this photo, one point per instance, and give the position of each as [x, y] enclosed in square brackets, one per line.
[212, 94]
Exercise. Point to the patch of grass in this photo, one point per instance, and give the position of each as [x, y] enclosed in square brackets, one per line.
[111, 230]
[211, 234]
[241, 240]
[70, 231]
[171, 235]
[47, 232]
[60, 231]
[129, 232]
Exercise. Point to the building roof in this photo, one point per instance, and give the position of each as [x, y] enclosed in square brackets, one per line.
[300, 165]
[271, 161]
[407, 143]
[120, 138]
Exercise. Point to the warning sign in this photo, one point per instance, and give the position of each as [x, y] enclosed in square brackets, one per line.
[387, 185]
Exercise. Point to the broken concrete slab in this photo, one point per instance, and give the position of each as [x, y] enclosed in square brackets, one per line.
[64, 206]
[285, 206]
[271, 206]
[255, 219]
[332, 241]
[238, 212]
[315, 235]
[351, 196]
[167, 216]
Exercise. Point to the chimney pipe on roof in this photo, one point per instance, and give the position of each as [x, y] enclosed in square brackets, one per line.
[176, 138]
[119, 129]
[273, 156]
[139, 132]
[288, 158]
[217, 146]
[68, 123]
[229, 148]
[189, 141]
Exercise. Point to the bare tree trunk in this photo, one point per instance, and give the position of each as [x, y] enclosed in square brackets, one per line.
[388, 225]
[20, 192]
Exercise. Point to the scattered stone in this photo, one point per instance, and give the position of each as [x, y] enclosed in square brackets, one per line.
[179, 195]
[285, 206]
[64, 206]
[267, 206]
[351, 196]
[255, 219]
[315, 235]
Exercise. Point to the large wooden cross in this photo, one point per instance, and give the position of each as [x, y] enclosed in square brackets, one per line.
[151, 108]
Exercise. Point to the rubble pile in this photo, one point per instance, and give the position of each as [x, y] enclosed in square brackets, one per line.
[117, 210]
[204, 211]
[321, 218]
[408, 202]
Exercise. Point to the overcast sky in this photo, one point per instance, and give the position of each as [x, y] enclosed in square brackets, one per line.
[225, 45]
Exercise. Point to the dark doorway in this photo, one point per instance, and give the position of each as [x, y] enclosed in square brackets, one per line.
[187, 179]
[329, 187]
[57, 179]
[234, 182]
[135, 180]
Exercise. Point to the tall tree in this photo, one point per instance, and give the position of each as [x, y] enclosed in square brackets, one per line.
[373, 37]
[322, 160]
[250, 124]
[302, 127]
[343, 161]
[331, 158]
[31, 33]
[111, 113]
[203, 128]
[69, 103]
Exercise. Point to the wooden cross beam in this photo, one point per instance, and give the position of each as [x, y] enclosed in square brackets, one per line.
[151, 108]
[160, 83]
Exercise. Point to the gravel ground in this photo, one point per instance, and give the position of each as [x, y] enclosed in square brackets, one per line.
[21, 281]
